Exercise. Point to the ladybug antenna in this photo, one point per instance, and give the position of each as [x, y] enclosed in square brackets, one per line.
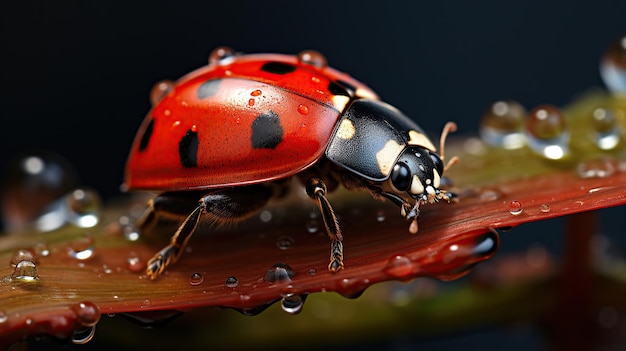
[448, 128]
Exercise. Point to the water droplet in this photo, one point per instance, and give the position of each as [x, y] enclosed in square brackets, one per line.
[312, 271]
[145, 304]
[503, 124]
[303, 109]
[87, 313]
[489, 195]
[84, 206]
[547, 132]
[280, 272]
[134, 264]
[221, 56]
[292, 303]
[3, 316]
[232, 282]
[33, 183]
[256, 92]
[313, 58]
[607, 130]
[159, 90]
[515, 208]
[613, 66]
[597, 168]
[265, 216]
[486, 244]
[312, 226]
[251, 102]
[21, 255]
[81, 249]
[285, 242]
[545, 208]
[83, 336]
[196, 279]
[380, 215]
[399, 267]
[25, 271]
[41, 249]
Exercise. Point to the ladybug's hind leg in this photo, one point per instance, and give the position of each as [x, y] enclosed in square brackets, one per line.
[316, 190]
[220, 206]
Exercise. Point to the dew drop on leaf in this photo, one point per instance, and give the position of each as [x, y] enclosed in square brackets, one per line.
[280, 272]
[232, 282]
[285, 242]
[515, 208]
[613, 66]
[83, 336]
[547, 133]
[196, 279]
[399, 267]
[87, 313]
[292, 303]
[84, 207]
[25, 271]
[607, 130]
[503, 125]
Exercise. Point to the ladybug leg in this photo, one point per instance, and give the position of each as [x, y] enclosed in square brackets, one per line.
[222, 206]
[316, 190]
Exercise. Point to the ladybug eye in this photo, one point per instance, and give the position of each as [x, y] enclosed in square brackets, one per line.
[437, 163]
[401, 176]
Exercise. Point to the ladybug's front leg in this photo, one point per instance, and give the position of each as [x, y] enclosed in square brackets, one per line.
[316, 190]
[219, 207]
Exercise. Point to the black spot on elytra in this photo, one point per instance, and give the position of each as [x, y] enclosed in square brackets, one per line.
[278, 68]
[267, 132]
[147, 134]
[188, 149]
[209, 88]
[341, 88]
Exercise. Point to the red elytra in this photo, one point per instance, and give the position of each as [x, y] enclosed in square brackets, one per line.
[201, 133]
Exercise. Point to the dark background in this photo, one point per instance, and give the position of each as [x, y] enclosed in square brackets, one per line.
[75, 75]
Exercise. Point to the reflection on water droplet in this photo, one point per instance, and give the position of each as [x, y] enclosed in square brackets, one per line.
[83, 336]
[597, 168]
[130, 230]
[265, 216]
[312, 271]
[400, 267]
[607, 130]
[285, 242]
[256, 92]
[145, 304]
[502, 125]
[3, 316]
[292, 303]
[515, 208]
[21, 255]
[613, 66]
[196, 279]
[303, 109]
[280, 272]
[221, 56]
[87, 313]
[380, 215]
[84, 206]
[41, 249]
[489, 195]
[545, 208]
[313, 58]
[232, 282]
[159, 90]
[547, 132]
[25, 271]
[312, 226]
[81, 249]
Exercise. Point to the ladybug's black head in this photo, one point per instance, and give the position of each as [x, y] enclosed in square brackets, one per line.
[417, 173]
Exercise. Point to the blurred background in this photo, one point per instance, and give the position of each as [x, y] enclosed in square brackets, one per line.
[76, 75]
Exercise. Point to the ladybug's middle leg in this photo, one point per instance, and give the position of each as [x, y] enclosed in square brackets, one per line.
[316, 190]
[221, 206]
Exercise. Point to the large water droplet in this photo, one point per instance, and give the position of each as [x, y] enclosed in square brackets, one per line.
[515, 208]
[84, 206]
[87, 313]
[221, 56]
[25, 271]
[545, 208]
[3, 316]
[607, 130]
[21, 255]
[613, 66]
[547, 133]
[503, 124]
[597, 168]
[313, 58]
[159, 90]
[292, 303]
[83, 336]
[280, 272]
[135, 264]
[81, 249]
[399, 267]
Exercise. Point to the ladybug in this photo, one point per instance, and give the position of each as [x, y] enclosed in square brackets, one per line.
[224, 140]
